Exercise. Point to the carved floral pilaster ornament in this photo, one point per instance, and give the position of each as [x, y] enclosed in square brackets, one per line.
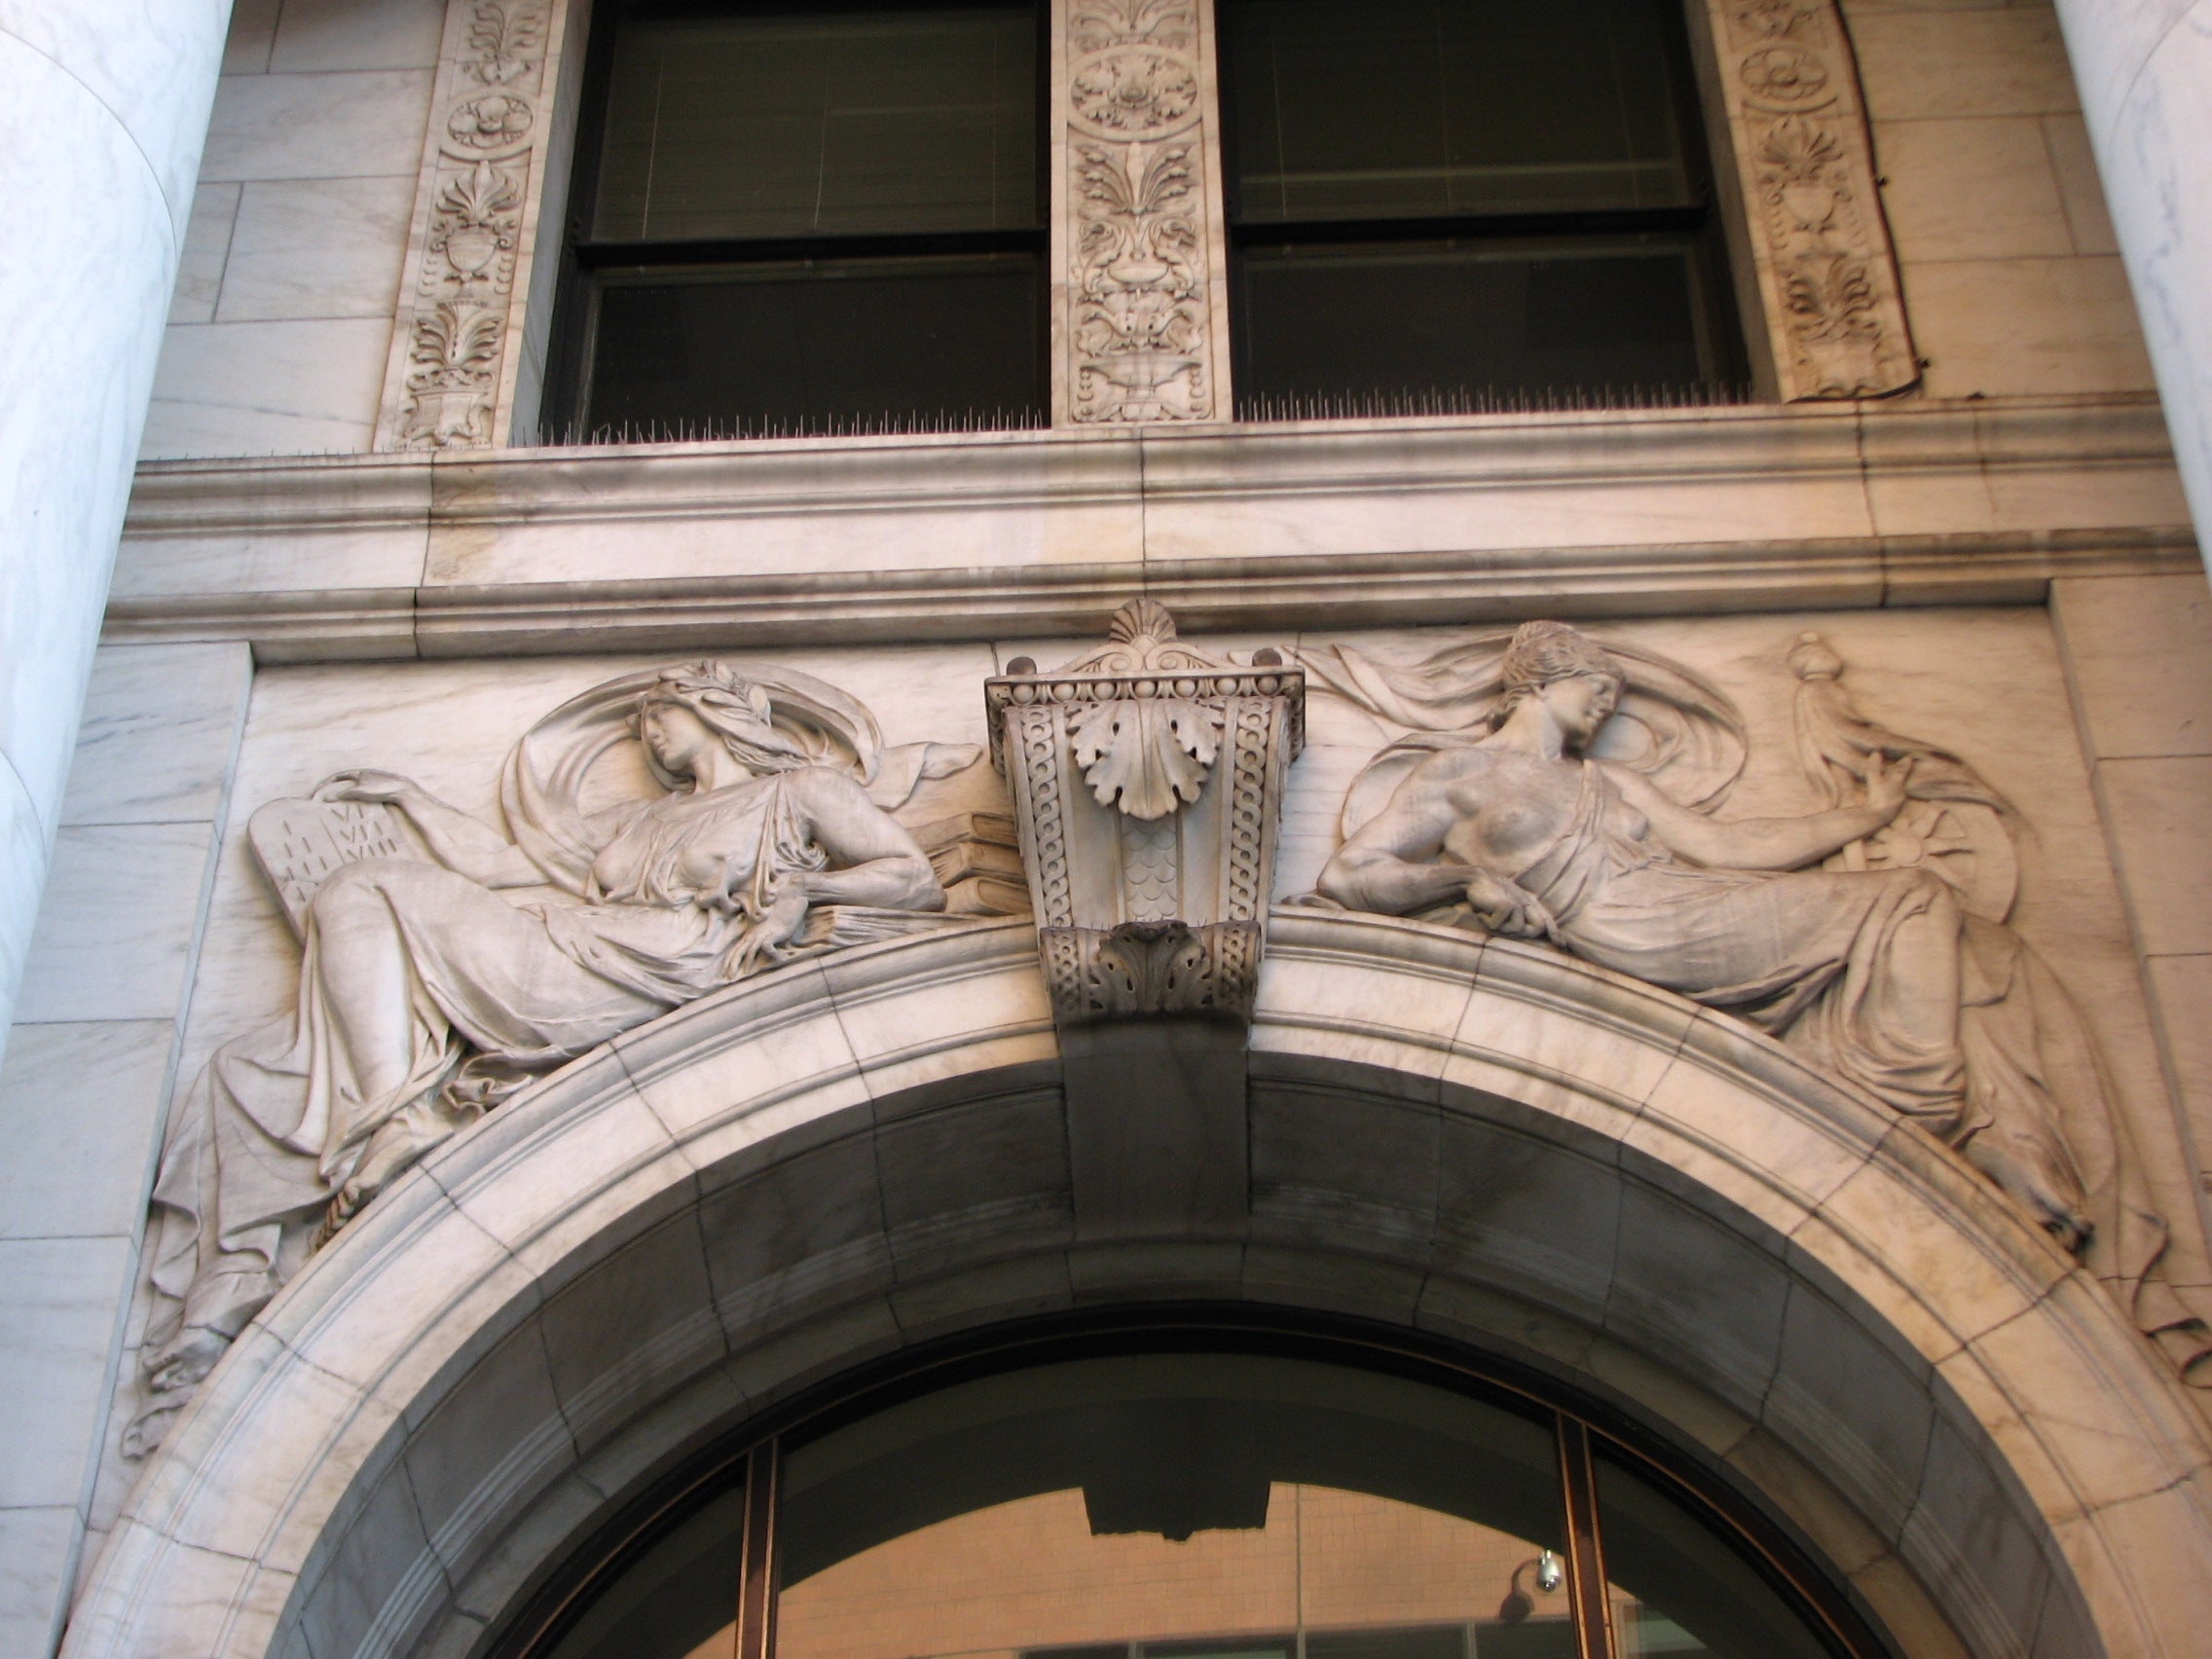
[1137, 219]
[449, 383]
[1147, 781]
[1805, 164]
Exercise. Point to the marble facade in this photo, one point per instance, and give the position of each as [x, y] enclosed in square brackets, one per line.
[1479, 1136]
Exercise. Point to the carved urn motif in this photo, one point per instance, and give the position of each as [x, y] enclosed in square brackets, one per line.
[1147, 781]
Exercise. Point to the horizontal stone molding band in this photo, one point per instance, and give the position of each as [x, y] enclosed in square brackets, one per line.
[754, 1193]
[1041, 533]
[1224, 595]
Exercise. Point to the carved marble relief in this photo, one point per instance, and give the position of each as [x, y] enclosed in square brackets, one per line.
[428, 996]
[1804, 160]
[1147, 781]
[1551, 789]
[1142, 325]
[451, 368]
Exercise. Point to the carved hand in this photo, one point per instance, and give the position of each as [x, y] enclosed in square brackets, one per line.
[1886, 783]
[762, 942]
[367, 783]
[1505, 909]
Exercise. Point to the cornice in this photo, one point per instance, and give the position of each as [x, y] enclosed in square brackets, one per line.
[1235, 526]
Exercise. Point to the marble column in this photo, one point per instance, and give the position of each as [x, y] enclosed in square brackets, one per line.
[103, 107]
[2145, 72]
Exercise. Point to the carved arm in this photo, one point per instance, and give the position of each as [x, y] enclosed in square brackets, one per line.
[1766, 844]
[873, 859]
[457, 840]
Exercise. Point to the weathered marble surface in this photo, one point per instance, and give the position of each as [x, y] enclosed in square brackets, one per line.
[354, 123]
[266, 387]
[102, 108]
[299, 230]
[80, 377]
[159, 729]
[314, 248]
[148, 62]
[75, 1169]
[206, 244]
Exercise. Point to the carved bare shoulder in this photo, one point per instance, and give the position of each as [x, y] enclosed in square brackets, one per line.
[1447, 769]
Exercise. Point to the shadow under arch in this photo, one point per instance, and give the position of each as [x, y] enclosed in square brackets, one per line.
[1484, 1141]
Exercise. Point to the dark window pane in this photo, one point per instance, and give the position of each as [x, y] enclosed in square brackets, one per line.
[1377, 109]
[1485, 317]
[1439, 1641]
[1679, 1589]
[679, 1602]
[843, 123]
[1534, 1638]
[798, 345]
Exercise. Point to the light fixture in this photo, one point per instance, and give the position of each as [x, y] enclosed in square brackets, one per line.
[1551, 1573]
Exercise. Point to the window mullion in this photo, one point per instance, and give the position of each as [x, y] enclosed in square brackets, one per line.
[757, 1555]
[1585, 1555]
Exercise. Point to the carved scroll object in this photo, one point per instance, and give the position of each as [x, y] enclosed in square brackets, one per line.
[449, 384]
[1827, 277]
[1140, 216]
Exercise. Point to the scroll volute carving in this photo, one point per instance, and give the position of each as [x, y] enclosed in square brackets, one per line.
[1828, 280]
[1147, 781]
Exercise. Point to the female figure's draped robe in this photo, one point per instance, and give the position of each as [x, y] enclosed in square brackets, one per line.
[1809, 954]
[1811, 957]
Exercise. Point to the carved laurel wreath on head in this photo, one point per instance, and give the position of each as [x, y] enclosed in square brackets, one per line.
[783, 717]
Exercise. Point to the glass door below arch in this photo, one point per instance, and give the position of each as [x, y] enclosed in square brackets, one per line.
[1196, 1505]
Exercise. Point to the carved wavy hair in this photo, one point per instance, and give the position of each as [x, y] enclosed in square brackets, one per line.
[1542, 653]
[732, 708]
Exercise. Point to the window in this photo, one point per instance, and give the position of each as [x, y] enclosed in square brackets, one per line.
[1449, 202]
[802, 219]
[798, 216]
[1141, 1498]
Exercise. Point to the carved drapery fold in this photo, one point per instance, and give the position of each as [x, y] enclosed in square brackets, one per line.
[1827, 280]
[1137, 222]
[449, 381]
[1147, 781]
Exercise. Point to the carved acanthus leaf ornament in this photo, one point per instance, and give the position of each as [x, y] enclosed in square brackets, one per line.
[1141, 326]
[451, 366]
[1804, 160]
[1146, 757]
[1147, 780]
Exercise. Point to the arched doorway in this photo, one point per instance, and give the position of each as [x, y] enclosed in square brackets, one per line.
[1486, 1144]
